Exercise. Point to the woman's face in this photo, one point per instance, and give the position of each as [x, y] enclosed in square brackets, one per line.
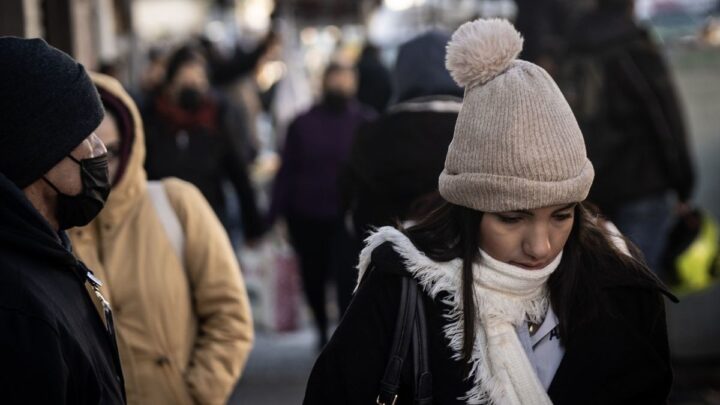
[530, 239]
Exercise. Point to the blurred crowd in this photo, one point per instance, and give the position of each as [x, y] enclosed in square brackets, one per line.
[189, 169]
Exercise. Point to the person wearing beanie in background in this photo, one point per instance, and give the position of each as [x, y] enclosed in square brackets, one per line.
[55, 348]
[525, 295]
[182, 312]
[396, 159]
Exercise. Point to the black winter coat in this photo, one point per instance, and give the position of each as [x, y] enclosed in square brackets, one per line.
[205, 157]
[621, 358]
[397, 159]
[54, 346]
[637, 142]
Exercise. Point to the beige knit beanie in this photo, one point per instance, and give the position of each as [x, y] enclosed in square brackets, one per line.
[517, 144]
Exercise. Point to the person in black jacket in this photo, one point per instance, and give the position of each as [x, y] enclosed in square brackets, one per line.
[621, 90]
[529, 296]
[396, 159]
[55, 348]
[195, 134]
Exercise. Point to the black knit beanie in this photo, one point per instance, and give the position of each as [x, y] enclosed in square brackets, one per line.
[48, 106]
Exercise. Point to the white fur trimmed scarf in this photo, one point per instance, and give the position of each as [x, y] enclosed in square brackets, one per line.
[507, 296]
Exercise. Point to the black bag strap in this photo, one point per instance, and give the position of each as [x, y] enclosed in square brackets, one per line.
[423, 377]
[409, 326]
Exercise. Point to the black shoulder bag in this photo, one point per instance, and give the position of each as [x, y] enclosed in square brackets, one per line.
[410, 330]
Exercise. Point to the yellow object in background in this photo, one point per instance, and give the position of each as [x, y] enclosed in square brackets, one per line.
[697, 266]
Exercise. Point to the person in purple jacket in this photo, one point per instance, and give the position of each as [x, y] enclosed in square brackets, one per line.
[306, 191]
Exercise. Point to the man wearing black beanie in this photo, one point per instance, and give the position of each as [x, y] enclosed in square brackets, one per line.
[55, 348]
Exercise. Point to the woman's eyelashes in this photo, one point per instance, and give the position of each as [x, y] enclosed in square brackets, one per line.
[510, 219]
[563, 216]
[513, 219]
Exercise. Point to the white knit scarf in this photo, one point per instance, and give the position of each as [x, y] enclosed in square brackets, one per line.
[506, 296]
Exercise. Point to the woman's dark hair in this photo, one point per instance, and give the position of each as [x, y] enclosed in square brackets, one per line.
[184, 55]
[590, 260]
[125, 126]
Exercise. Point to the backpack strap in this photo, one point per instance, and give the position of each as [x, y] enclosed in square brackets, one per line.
[168, 218]
[410, 327]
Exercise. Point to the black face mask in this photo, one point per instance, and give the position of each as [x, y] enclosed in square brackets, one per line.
[190, 99]
[79, 210]
[336, 100]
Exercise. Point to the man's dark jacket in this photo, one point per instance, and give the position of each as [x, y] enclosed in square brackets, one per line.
[54, 347]
[637, 143]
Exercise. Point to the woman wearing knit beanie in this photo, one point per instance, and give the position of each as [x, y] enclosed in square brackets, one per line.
[525, 295]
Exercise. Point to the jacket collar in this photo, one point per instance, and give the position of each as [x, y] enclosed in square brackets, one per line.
[23, 229]
[438, 104]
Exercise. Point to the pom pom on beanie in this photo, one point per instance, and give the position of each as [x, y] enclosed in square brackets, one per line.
[516, 144]
[480, 50]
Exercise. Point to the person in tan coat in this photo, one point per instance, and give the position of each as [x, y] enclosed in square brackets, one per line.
[181, 307]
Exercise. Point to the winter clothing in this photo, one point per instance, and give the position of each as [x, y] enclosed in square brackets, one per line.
[620, 357]
[316, 148]
[55, 347]
[511, 296]
[620, 87]
[420, 68]
[637, 140]
[204, 148]
[306, 194]
[397, 159]
[184, 323]
[507, 297]
[49, 107]
[516, 143]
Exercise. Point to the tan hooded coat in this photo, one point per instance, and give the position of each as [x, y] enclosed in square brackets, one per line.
[184, 326]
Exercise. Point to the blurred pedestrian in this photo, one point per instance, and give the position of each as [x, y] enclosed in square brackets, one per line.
[55, 347]
[397, 158]
[374, 81]
[182, 312]
[194, 134]
[524, 296]
[224, 70]
[621, 90]
[151, 77]
[306, 192]
[545, 26]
